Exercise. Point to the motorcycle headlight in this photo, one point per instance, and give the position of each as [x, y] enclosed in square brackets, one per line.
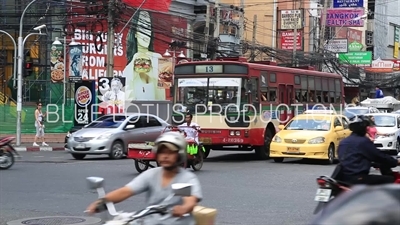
[317, 140]
[277, 139]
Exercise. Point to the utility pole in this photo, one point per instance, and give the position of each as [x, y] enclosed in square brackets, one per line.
[294, 63]
[217, 24]
[110, 38]
[253, 45]
[241, 21]
[322, 32]
[207, 28]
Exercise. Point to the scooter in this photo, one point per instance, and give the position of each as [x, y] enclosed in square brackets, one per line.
[121, 218]
[330, 187]
[7, 153]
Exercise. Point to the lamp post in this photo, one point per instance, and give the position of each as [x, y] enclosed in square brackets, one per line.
[168, 54]
[15, 57]
[21, 42]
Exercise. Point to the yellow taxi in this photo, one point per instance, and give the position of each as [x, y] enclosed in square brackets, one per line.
[313, 135]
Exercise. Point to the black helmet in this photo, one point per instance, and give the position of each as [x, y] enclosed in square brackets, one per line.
[364, 205]
[359, 124]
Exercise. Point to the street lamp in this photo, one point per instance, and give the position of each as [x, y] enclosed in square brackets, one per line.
[21, 43]
[15, 57]
[168, 54]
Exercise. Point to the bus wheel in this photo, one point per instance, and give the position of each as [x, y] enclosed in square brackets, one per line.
[262, 152]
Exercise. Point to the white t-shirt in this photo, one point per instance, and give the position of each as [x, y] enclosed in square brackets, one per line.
[190, 132]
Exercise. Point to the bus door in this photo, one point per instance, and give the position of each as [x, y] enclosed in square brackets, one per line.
[286, 97]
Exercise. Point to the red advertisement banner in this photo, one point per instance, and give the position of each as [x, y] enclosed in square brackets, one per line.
[287, 40]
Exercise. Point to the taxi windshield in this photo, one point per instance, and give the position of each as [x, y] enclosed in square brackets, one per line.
[309, 124]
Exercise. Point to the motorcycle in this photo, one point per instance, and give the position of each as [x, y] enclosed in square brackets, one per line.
[330, 187]
[7, 153]
[122, 218]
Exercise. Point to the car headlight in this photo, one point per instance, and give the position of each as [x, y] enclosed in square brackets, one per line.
[68, 134]
[317, 140]
[105, 136]
[277, 139]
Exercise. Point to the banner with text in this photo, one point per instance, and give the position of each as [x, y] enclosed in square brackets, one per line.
[348, 3]
[57, 66]
[291, 18]
[345, 17]
[137, 52]
[356, 58]
[75, 63]
[337, 45]
[352, 35]
[111, 95]
[287, 40]
[84, 99]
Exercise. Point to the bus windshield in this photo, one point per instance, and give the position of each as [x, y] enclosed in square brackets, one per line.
[219, 92]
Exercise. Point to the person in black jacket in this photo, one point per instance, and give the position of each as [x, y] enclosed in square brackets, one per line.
[357, 153]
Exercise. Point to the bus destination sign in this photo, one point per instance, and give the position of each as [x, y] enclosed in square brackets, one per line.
[209, 69]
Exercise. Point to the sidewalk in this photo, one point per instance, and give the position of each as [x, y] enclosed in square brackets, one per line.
[28, 147]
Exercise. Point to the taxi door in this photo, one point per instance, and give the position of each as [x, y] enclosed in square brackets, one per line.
[338, 135]
[346, 131]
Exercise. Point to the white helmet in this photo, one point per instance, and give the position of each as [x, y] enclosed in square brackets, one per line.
[174, 141]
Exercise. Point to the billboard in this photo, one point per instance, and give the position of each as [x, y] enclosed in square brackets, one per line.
[138, 48]
[287, 40]
[348, 3]
[291, 18]
[337, 45]
[84, 100]
[111, 95]
[356, 58]
[352, 35]
[344, 17]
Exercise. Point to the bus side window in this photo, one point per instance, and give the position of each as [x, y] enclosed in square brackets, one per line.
[272, 94]
[311, 89]
[318, 89]
[304, 89]
[325, 89]
[298, 95]
[331, 90]
[338, 91]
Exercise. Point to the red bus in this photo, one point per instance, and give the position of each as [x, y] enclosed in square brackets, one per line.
[238, 103]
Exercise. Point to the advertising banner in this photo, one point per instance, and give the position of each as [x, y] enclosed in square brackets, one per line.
[287, 40]
[111, 95]
[337, 45]
[291, 18]
[356, 58]
[396, 42]
[344, 17]
[75, 63]
[84, 100]
[138, 49]
[57, 63]
[348, 3]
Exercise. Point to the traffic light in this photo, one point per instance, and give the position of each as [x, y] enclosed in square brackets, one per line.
[28, 69]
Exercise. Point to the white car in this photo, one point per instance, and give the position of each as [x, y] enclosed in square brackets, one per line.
[388, 127]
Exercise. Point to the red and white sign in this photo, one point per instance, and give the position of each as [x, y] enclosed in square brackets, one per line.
[287, 40]
[352, 35]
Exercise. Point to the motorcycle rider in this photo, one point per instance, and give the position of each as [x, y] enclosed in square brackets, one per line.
[170, 150]
[187, 128]
[356, 154]
[366, 205]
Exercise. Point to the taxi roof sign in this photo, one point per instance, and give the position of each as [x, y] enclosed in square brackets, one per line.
[328, 112]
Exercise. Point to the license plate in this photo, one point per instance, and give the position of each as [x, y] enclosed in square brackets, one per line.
[293, 150]
[205, 140]
[81, 146]
[323, 195]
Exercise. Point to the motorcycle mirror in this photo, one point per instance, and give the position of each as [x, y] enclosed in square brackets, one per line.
[182, 189]
[95, 182]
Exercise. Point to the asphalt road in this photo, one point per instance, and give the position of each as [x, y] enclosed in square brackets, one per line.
[244, 190]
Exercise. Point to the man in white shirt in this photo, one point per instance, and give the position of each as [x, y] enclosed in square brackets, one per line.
[115, 96]
[190, 128]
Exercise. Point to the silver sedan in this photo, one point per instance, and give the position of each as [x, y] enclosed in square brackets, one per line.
[111, 134]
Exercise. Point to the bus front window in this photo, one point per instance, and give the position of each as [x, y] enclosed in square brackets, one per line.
[216, 92]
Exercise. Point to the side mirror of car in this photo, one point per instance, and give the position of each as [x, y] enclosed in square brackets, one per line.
[339, 128]
[281, 127]
[130, 127]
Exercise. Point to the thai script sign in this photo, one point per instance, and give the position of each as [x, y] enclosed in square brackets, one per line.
[348, 3]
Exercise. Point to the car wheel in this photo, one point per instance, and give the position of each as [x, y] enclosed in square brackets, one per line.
[262, 152]
[278, 160]
[79, 156]
[117, 150]
[331, 154]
